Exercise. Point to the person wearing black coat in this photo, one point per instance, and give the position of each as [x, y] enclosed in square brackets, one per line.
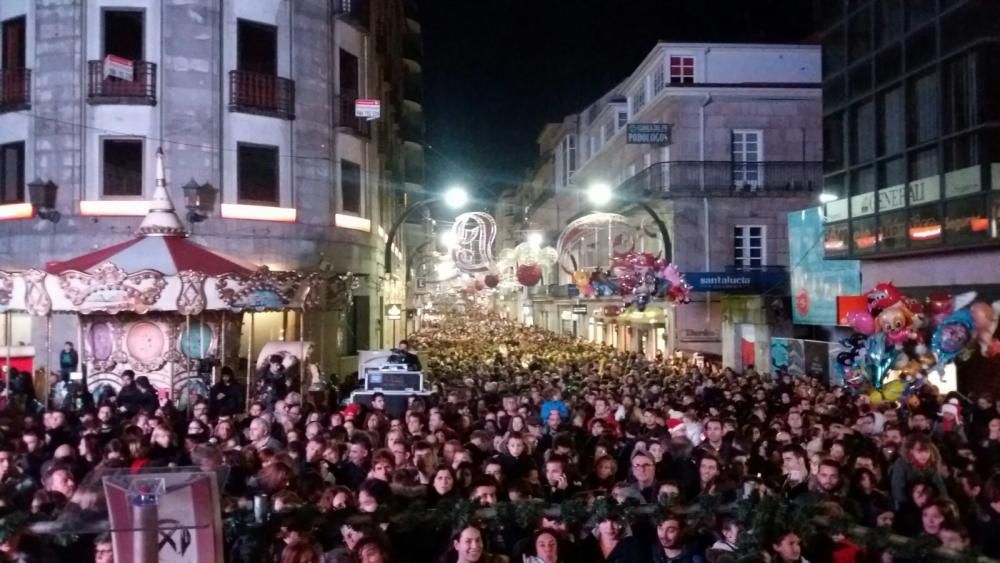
[226, 396]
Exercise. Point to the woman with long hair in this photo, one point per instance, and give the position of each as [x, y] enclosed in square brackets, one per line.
[468, 545]
[444, 484]
[544, 547]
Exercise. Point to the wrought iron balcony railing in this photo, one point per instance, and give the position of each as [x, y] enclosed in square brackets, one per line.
[354, 10]
[15, 89]
[141, 90]
[262, 94]
[346, 119]
[726, 179]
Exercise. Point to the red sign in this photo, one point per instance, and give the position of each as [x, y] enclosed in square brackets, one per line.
[847, 304]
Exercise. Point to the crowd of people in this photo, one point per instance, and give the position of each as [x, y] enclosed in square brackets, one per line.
[537, 448]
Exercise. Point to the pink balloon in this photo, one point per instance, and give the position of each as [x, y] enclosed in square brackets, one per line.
[862, 321]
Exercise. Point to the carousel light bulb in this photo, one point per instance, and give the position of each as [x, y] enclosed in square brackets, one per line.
[536, 239]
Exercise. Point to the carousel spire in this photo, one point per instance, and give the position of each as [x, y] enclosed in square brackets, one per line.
[161, 219]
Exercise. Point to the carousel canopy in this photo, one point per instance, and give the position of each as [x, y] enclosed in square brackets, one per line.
[162, 245]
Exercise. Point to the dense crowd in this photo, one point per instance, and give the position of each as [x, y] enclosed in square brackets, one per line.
[536, 448]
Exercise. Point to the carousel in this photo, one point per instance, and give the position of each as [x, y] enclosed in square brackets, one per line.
[158, 304]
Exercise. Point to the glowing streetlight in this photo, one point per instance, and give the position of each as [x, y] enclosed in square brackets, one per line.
[599, 194]
[455, 197]
[535, 239]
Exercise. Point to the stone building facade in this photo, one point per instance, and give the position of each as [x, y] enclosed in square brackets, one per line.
[254, 99]
[744, 148]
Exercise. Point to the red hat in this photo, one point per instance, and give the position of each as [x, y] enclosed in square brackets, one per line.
[352, 410]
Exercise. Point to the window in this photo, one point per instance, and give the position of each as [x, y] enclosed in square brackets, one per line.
[348, 72]
[862, 137]
[960, 93]
[924, 108]
[891, 122]
[859, 34]
[659, 79]
[639, 99]
[124, 34]
[122, 159]
[13, 49]
[747, 156]
[569, 158]
[888, 21]
[12, 173]
[606, 132]
[257, 174]
[350, 187]
[622, 119]
[595, 144]
[257, 47]
[748, 246]
[833, 142]
[681, 70]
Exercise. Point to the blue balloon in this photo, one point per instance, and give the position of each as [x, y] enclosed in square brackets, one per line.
[880, 358]
[952, 336]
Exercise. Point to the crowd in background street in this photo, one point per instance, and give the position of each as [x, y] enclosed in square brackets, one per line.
[521, 417]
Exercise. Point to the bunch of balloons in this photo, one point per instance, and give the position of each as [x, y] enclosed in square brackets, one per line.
[638, 277]
[523, 264]
[912, 337]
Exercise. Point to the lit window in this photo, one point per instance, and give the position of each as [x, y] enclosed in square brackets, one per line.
[681, 70]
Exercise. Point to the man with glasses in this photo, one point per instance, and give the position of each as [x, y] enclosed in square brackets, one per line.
[644, 475]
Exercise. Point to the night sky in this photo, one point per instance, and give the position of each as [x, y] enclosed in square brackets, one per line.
[495, 71]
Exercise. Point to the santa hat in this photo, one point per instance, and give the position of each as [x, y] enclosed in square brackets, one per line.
[676, 418]
[953, 408]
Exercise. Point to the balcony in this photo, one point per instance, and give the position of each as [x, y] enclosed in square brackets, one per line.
[15, 89]
[141, 90]
[261, 94]
[344, 115]
[354, 11]
[726, 179]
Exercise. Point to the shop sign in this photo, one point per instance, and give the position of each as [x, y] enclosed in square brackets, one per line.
[579, 309]
[368, 109]
[893, 197]
[925, 190]
[647, 133]
[816, 282]
[837, 210]
[746, 282]
[700, 335]
[962, 182]
[394, 312]
[118, 67]
[863, 204]
[611, 311]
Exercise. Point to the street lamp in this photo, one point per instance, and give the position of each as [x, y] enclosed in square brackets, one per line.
[600, 194]
[42, 196]
[454, 197]
[827, 197]
[199, 200]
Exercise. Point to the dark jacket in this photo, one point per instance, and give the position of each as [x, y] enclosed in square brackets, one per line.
[226, 399]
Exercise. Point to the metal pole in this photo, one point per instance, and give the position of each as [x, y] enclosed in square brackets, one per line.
[48, 357]
[8, 340]
[250, 362]
[387, 254]
[222, 339]
[302, 338]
